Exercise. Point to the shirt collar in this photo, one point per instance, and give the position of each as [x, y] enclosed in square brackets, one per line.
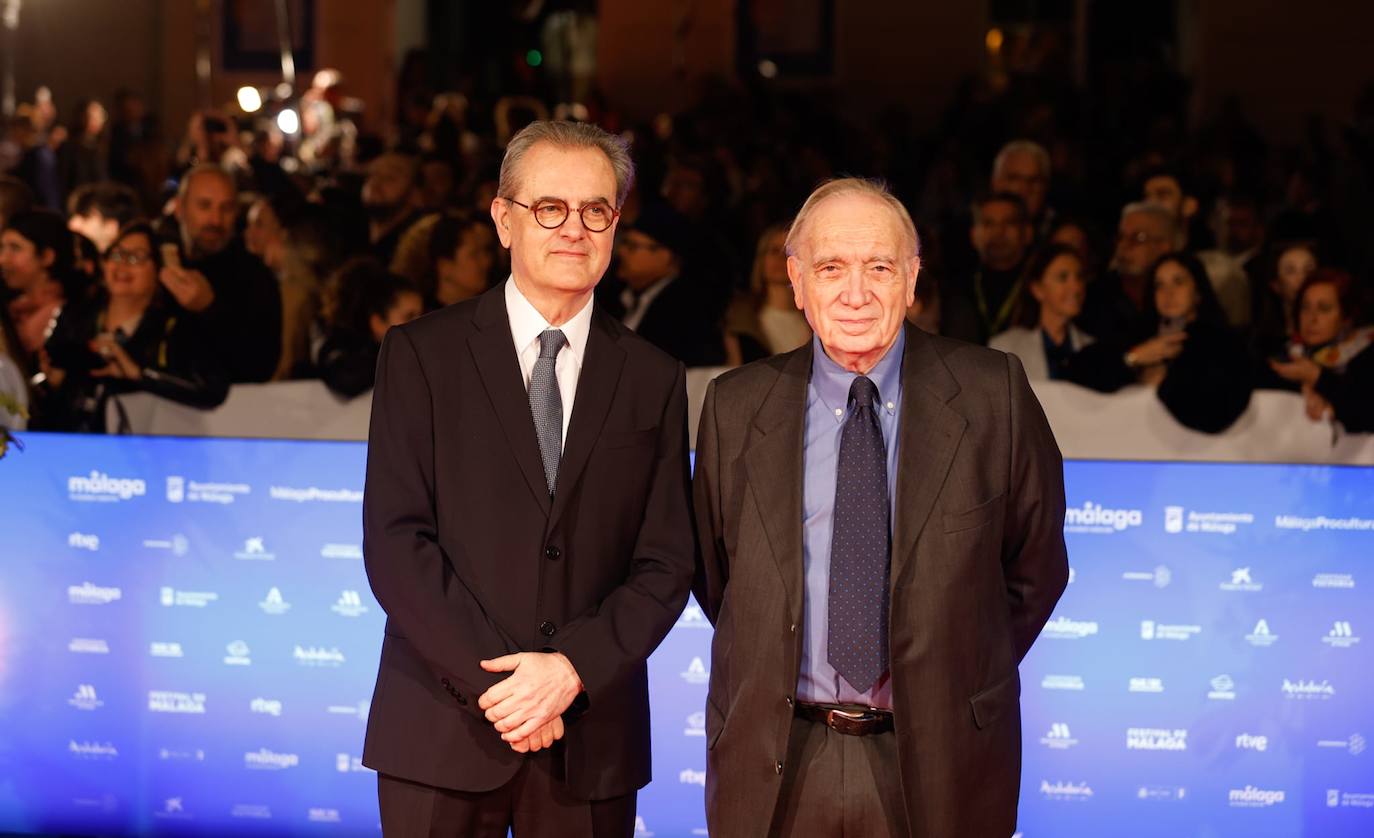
[526, 323]
[832, 382]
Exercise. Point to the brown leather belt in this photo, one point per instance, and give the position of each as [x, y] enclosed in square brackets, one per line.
[849, 720]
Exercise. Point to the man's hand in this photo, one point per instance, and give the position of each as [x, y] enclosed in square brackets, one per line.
[540, 687]
[190, 288]
[544, 737]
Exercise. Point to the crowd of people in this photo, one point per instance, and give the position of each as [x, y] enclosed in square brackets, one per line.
[1103, 247]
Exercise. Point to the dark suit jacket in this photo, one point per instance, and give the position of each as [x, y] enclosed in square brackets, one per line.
[470, 559]
[978, 562]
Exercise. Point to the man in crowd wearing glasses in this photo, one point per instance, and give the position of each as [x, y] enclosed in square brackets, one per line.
[526, 525]
[1116, 302]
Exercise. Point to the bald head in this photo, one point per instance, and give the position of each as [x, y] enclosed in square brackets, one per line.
[207, 204]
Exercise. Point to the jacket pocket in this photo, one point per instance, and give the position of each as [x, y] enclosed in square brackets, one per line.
[991, 703]
[977, 516]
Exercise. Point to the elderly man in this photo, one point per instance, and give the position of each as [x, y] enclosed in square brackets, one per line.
[1116, 302]
[1022, 167]
[880, 516]
[525, 525]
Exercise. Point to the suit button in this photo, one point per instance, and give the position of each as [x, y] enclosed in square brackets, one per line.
[552, 553]
[445, 683]
[777, 766]
[461, 700]
[547, 628]
[788, 699]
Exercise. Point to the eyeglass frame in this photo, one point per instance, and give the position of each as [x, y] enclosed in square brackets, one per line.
[568, 211]
[120, 256]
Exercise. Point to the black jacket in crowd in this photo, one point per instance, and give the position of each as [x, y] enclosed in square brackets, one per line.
[245, 319]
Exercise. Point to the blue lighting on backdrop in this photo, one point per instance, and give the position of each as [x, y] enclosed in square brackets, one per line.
[188, 646]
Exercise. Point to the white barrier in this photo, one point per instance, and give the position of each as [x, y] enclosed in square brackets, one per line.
[1129, 425]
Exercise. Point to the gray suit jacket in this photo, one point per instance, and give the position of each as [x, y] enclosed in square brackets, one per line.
[978, 563]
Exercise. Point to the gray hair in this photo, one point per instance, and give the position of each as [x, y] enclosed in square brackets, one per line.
[1034, 149]
[204, 169]
[865, 187]
[1163, 214]
[567, 135]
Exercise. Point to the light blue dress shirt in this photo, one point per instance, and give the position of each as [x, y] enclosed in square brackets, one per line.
[827, 409]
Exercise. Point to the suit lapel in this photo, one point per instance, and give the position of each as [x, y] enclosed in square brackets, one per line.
[493, 352]
[773, 462]
[596, 386]
[928, 438]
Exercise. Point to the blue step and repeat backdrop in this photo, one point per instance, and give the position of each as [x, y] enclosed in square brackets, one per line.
[188, 645]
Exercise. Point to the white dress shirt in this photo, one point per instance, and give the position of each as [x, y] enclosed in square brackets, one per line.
[636, 306]
[526, 324]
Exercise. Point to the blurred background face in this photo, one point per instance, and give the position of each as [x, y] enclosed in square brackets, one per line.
[685, 191]
[207, 214]
[390, 179]
[406, 307]
[1243, 228]
[263, 234]
[1295, 264]
[1176, 294]
[1020, 175]
[1061, 289]
[129, 268]
[1166, 191]
[1000, 235]
[1073, 236]
[1140, 240]
[470, 268]
[775, 260]
[21, 263]
[854, 275]
[1320, 319]
[643, 261]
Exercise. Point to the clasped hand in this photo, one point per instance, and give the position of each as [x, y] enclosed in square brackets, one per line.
[526, 707]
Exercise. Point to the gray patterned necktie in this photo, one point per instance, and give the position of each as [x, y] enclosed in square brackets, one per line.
[546, 403]
[860, 546]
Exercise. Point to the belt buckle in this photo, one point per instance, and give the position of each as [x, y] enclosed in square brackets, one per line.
[849, 722]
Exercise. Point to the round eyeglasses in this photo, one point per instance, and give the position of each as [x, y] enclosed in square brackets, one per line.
[550, 213]
[133, 258]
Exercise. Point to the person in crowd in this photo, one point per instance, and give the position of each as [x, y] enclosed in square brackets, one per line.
[1330, 356]
[1079, 234]
[1001, 235]
[14, 386]
[370, 300]
[390, 195]
[1116, 303]
[82, 157]
[221, 280]
[311, 250]
[667, 306]
[1022, 167]
[1167, 187]
[38, 260]
[100, 210]
[128, 336]
[766, 321]
[460, 260]
[1045, 337]
[694, 186]
[1286, 267]
[38, 167]
[15, 197]
[827, 588]
[1231, 265]
[438, 183]
[1188, 352]
[925, 312]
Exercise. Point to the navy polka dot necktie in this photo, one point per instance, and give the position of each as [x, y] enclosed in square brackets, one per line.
[860, 546]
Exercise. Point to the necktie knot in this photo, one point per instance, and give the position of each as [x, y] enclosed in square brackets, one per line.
[863, 392]
[550, 341]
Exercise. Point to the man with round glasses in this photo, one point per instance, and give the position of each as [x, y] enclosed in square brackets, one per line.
[526, 525]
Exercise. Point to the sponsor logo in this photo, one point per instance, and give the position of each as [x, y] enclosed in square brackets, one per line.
[1063, 791]
[347, 763]
[1156, 739]
[1160, 577]
[1063, 628]
[179, 490]
[169, 701]
[1146, 685]
[693, 618]
[1250, 742]
[84, 541]
[265, 707]
[1254, 798]
[1173, 519]
[349, 604]
[1341, 636]
[1177, 520]
[165, 649]
[1165, 794]
[1321, 522]
[1261, 636]
[1308, 690]
[696, 672]
[696, 724]
[1095, 518]
[642, 830]
[238, 654]
[1241, 581]
[1062, 682]
[359, 710]
[88, 646]
[177, 545]
[176, 489]
[317, 814]
[1059, 737]
[308, 494]
[171, 597]
[100, 487]
[1223, 689]
[181, 755]
[1150, 630]
[256, 811]
[1333, 580]
[92, 750]
[106, 802]
[88, 594]
[688, 777]
[273, 603]
[318, 656]
[85, 698]
[342, 551]
[1355, 745]
[172, 807]
[255, 551]
[264, 760]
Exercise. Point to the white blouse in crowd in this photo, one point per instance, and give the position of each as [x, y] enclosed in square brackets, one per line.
[784, 329]
[1029, 346]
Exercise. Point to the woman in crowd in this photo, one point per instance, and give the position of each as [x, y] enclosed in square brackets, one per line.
[365, 300]
[14, 389]
[1286, 266]
[128, 335]
[1197, 364]
[765, 321]
[461, 255]
[1331, 357]
[1045, 338]
[38, 260]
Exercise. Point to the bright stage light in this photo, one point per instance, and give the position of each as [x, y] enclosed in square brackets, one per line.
[250, 100]
[288, 121]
